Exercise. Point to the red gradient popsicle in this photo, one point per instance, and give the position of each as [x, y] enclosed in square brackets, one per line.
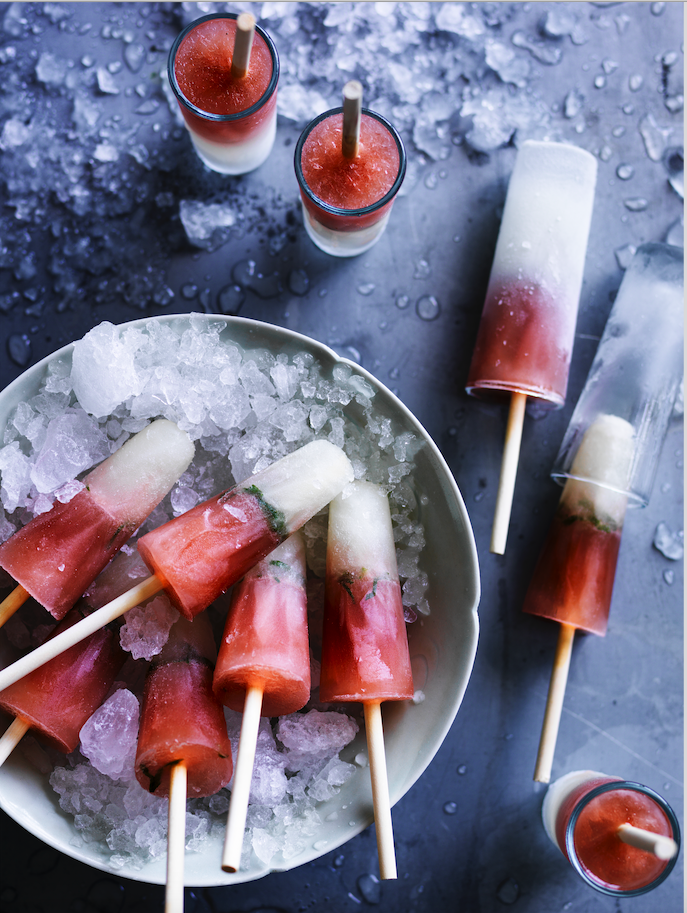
[263, 667]
[573, 578]
[58, 698]
[365, 653]
[58, 554]
[526, 332]
[183, 746]
[198, 555]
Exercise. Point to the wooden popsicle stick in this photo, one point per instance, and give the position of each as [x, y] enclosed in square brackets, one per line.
[243, 43]
[176, 838]
[662, 846]
[11, 603]
[554, 704]
[12, 736]
[509, 469]
[243, 775]
[352, 107]
[80, 631]
[380, 790]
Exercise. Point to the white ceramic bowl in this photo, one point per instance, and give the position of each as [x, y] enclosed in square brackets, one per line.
[442, 645]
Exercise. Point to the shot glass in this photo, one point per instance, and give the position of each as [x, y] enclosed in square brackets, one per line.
[621, 837]
[232, 122]
[347, 202]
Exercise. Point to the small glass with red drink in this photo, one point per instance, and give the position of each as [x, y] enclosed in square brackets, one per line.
[583, 813]
[232, 121]
[347, 201]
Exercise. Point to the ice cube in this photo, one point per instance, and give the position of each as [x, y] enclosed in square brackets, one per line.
[109, 736]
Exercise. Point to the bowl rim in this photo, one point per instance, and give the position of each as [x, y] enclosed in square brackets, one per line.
[472, 592]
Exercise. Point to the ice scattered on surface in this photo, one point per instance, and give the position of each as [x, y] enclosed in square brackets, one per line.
[670, 544]
[109, 737]
[146, 627]
[206, 224]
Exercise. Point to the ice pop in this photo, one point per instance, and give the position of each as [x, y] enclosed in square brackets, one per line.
[365, 653]
[201, 553]
[621, 837]
[183, 747]
[58, 554]
[525, 337]
[608, 460]
[56, 700]
[263, 667]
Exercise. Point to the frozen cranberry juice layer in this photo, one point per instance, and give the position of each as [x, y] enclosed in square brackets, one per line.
[603, 855]
[364, 641]
[521, 346]
[182, 721]
[58, 554]
[573, 579]
[350, 183]
[265, 642]
[57, 698]
[203, 69]
[201, 553]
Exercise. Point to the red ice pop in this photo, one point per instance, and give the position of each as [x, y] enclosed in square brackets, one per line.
[58, 554]
[526, 332]
[183, 747]
[59, 697]
[263, 667]
[200, 554]
[364, 643]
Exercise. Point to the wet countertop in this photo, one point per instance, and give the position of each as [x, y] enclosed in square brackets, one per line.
[94, 166]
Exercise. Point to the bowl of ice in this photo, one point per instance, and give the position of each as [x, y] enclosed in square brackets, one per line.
[247, 393]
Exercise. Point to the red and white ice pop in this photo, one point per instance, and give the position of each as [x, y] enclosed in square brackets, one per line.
[365, 653]
[526, 332]
[200, 554]
[183, 746]
[573, 579]
[58, 554]
[263, 667]
[58, 698]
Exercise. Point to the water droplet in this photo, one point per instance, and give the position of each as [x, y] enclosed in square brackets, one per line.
[676, 233]
[402, 301]
[319, 845]
[670, 545]
[605, 153]
[19, 349]
[450, 808]
[339, 861]
[299, 282]
[624, 172]
[230, 299]
[421, 269]
[624, 255]
[462, 770]
[431, 181]
[635, 82]
[599, 82]
[508, 891]
[669, 577]
[657, 8]
[636, 204]
[609, 66]
[478, 496]
[618, 131]
[428, 307]
[366, 288]
[189, 291]
[573, 103]
[246, 274]
[370, 887]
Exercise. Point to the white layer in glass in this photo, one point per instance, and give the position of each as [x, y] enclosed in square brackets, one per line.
[237, 158]
[344, 243]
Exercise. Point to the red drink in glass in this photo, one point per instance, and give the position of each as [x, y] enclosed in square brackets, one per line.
[582, 814]
[232, 122]
[347, 201]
